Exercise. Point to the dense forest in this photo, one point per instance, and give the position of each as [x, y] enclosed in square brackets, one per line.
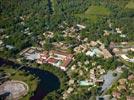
[18, 18]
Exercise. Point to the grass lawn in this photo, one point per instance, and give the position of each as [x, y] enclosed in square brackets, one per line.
[97, 10]
[22, 76]
[56, 8]
[130, 5]
[131, 43]
[94, 13]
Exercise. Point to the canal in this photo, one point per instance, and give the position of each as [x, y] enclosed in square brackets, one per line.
[48, 81]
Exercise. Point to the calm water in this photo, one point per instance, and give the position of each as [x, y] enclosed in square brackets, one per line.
[48, 81]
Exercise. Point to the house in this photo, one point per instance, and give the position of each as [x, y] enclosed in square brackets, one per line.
[119, 70]
[132, 49]
[124, 57]
[65, 95]
[44, 55]
[106, 33]
[1, 42]
[86, 62]
[85, 40]
[116, 94]
[70, 89]
[10, 47]
[131, 77]
[130, 97]
[1, 30]
[85, 83]
[131, 60]
[97, 52]
[102, 71]
[122, 81]
[48, 34]
[116, 51]
[73, 67]
[93, 43]
[112, 45]
[118, 30]
[81, 26]
[123, 35]
[106, 53]
[71, 82]
[99, 81]
[89, 53]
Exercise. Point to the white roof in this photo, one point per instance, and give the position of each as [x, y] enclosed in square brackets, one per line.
[33, 56]
[81, 26]
[89, 53]
[132, 49]
[124, 57]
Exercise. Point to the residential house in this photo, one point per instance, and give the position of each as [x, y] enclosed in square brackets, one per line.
[130, 97]
[118, 30]
[48, 34]
[116, 94]
[122, 81]
[131, 77]
[81, 26]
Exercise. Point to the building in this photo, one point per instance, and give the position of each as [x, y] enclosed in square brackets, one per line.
[124, 57]
[130, 97]
[56, 58]
[81, 26]
[31, 53]
[131, 77]
[122, 81]
[116, 94]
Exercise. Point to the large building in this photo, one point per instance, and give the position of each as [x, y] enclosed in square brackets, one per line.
[56, 58]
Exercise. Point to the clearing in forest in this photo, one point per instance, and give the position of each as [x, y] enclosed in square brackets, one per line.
[94, 12]
[130, 5]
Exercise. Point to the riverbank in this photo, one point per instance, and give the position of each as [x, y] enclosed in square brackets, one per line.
[51, 78]
[48, 82]
[29, 79]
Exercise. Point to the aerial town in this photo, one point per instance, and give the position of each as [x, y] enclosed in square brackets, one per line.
[87, 57]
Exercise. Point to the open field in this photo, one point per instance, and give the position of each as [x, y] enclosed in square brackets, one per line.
[130, 5]
[94, 12]
[21, 76]
[97, 10]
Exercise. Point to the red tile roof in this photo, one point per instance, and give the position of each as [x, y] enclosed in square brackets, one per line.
[130, 98]
[61, 53]
[131, 77]
[52, 60]
[116, 94]
[44, 55]
[66, 62]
